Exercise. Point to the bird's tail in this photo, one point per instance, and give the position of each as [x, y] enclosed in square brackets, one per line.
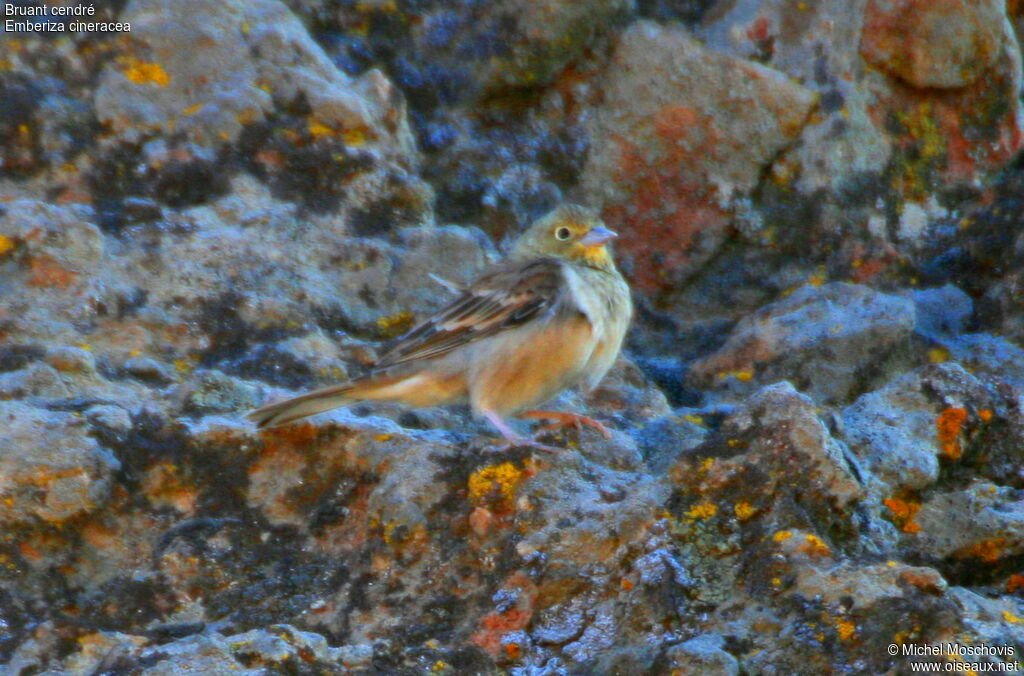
[311, 403]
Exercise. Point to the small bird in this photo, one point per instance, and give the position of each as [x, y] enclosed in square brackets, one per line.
[550, 316]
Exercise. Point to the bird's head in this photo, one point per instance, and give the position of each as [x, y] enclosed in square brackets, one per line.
[571, 232]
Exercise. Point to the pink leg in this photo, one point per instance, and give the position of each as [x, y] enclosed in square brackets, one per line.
[512, 440]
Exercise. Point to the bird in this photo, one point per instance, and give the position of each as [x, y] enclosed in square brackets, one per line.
[552, 315]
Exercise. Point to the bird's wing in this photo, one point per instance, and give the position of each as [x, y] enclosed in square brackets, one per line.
[508, 297]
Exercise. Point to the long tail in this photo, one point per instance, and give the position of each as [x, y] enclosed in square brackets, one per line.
[311, 403]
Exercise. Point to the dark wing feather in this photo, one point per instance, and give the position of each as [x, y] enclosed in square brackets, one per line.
[510, 296]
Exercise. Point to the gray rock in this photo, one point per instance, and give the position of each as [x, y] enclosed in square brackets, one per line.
[981, 525]
[833, 342]
[38, 380]
[894, 432]
[205, 69]
[704, 654]
[215, 392]
[51, 470]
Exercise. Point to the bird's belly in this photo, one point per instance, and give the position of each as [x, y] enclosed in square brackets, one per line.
[522, 368]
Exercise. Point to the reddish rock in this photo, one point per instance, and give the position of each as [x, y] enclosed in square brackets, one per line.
[933, 43]
[682, 131]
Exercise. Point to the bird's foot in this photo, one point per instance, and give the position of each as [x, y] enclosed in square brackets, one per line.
[513, 440]
[566, 420]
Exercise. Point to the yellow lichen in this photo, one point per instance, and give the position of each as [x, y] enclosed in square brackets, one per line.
[744, 510]
[504, 478]
[318, 129]
[6, 244]
[396, 324]
[937, 355]
[782, 535]
[689, 417]
[846, 629]
[704, 510]
[742, 375]
[144, 73]
[1011, 618]
[355, 137]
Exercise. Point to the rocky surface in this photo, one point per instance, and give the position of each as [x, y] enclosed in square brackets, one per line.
[817, 430]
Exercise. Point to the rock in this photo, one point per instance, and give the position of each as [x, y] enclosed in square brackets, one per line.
[932, 422]
[981, 525]
[739, 490]
[505, 45]
[940, 312]
[945, 44]
[704, 654]
[51, 470]
[833, 341]
[258, 52]
[214, 392]
[950, 59]
[38, 380]
[149, 370]
[676, 151]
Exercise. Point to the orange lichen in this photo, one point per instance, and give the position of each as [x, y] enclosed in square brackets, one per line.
[988, 551]
[671, 199]
[495, 625]
[903, 512]
[1015, 582]
[948, 427]
[985, 415]
[6, 244]
[164, 487]
[814, 546]
[846, 629]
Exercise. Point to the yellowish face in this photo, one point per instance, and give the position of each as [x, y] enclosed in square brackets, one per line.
[570, 232]
[572, 235]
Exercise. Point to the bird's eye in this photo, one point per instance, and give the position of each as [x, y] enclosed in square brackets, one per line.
[563, 233]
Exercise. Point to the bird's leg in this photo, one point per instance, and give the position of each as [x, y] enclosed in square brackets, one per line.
[566, 420]
[512, 440]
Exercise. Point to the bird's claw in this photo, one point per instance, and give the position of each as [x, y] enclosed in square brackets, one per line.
[561, 420]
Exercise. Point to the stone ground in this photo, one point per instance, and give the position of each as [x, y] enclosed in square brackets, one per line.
[818, 422]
